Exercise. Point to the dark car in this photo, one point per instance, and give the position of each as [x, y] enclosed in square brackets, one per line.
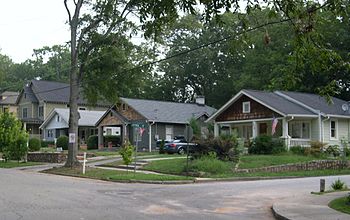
[179, 146]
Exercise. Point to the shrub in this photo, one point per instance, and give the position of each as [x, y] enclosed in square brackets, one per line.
[92, 142]
[18, 150]
[34, 144]
[46, 144]
[265, 144]
[338, 185]
[226, 147]
[316, 148]
[161, 147]
[62, 142]
[126, 152]
[333, 150]
[300, 150]
[112, 138]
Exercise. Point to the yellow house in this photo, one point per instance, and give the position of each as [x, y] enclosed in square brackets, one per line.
[8, 102]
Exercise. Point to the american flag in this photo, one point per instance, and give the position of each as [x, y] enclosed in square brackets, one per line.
[274, 125]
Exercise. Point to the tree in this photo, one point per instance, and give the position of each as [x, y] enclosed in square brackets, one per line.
[107, 23]
[13, 139]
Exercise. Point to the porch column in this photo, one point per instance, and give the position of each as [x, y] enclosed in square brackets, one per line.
[216, 129]
[25, 126]
[125, 133]
[150, 137]
[100, 137]
[285, 132]
[255, 129]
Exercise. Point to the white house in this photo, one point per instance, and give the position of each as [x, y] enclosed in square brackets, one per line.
[300, 117]
[56, 124]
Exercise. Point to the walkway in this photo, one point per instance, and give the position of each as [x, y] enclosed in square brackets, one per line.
[311, 207]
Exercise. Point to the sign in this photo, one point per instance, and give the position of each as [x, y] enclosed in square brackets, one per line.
[138, 125]
[71, 138]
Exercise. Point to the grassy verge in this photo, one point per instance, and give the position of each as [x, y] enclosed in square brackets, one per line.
[256, 161]
[13, 164]
[341, 205]
[113, 175]
[330, 191]
[209, 169]
[103, 153]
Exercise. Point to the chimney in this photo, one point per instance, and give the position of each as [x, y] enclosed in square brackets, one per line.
[200, 100]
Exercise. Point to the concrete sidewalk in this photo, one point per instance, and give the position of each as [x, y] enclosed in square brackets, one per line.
[311, 207]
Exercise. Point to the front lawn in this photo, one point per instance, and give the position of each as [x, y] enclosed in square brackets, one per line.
[113, 175]
[341, 204]
[13, 164]
[212, 168]
[256, 161]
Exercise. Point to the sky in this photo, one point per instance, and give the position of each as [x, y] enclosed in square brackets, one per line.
[31, 24]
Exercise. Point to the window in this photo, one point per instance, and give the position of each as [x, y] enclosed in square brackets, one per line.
[124, 107]
[82, 108]
[24, 113]
[300, 130]
[58, 118]
[50, 133]
[246, 107]
[169, 132]
[333, 129]
[41, 111]
[109, 131]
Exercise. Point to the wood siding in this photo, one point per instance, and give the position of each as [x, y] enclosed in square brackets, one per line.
[110, 119]
[129, 113]
[235, 111]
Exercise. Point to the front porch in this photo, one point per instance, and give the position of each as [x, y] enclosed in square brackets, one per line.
[294, 131]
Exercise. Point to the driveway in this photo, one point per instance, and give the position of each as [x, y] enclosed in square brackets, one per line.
[31, 195]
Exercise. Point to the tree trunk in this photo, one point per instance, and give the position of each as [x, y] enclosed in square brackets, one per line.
[72, 160]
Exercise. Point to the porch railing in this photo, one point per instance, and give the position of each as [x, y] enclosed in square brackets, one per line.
[299, 142]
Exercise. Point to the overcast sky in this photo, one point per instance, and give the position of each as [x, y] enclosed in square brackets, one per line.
[31, 24]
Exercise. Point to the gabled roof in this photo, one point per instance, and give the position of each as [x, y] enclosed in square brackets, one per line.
[9, 98]
[318, 102]
[87, 118]
[291, 103]
[52, 92]
[168, 112]
[115, 113]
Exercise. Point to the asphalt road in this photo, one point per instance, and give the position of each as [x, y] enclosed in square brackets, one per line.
[31, 195]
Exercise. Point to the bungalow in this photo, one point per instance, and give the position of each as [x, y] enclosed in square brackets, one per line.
[296, 117]
[158, 119]
[56, 124]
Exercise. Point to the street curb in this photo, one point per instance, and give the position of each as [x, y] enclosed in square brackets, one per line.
[277, 215]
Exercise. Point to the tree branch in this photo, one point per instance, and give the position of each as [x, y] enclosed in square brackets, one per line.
[69, 15]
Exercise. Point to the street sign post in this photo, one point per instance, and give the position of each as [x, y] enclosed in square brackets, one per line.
[139, 128]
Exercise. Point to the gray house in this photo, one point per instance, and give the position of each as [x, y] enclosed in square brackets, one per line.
[158, 119]
[56, 124]
[296, 117]
[38, 99]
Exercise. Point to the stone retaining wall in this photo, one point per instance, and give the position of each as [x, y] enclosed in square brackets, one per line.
[312, 165]
[55, 157]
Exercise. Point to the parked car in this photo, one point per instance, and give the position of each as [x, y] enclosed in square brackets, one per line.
[179, 146]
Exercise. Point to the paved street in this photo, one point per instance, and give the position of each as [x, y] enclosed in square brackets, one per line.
[30, 195]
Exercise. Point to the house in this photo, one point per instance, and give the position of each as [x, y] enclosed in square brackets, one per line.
[158, 119]
[297, 117]
[8, 102]
[56, 124]
[39, 98]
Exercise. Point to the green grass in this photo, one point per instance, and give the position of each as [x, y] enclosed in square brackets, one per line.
[13, 164]
[114, 175]
[341, 204]
[178, 167]
[256, 161]
[103, 153]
